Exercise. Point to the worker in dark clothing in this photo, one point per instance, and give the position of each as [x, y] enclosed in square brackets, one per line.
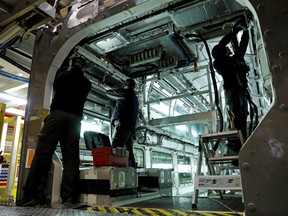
[233, 70]
[125, 117]
[61, 125]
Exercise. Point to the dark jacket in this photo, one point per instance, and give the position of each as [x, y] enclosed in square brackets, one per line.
[70, 91]
[126, 110]
[233, 69]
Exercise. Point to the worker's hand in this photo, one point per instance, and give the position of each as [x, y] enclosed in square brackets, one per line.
[241, 24]
[115, 122]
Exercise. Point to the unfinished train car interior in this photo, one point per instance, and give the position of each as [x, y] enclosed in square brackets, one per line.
[166, 47]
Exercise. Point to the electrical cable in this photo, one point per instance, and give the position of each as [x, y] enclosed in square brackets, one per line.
[214, 84]
[14, 46]
[221, 203]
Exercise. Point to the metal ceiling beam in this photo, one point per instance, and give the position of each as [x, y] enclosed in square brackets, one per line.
[21, 8]
[178, 96]
[4, 8]
[164, 72]
[184, 119]
[15, 63]
[107, 67]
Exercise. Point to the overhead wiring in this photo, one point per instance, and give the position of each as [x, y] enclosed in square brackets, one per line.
[213, 80]
[13, 46]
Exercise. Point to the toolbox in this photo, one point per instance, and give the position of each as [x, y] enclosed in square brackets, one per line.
[108, 156]
[102, 152]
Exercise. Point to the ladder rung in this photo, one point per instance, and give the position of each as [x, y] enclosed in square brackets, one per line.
[226, 158]
[221, 135]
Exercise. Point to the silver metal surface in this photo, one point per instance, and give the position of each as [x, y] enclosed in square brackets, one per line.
[9, 211]
[264, 157]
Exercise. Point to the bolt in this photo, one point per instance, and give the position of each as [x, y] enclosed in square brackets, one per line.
[251, 207]
[267, 32]
[246, 166]
[260, 7]
[282, 54]
[125, 6]
[283, 107]
[276, 68]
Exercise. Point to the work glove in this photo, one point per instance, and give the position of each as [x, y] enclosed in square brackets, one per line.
[115, 122]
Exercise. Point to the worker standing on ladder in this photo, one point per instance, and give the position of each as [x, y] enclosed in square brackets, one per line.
[234, 70]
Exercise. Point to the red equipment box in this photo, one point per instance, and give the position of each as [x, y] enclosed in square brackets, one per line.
[107, 156]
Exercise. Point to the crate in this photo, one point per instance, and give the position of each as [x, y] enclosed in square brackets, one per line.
[107, 156]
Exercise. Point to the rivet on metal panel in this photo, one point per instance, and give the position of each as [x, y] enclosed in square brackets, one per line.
[276, 68]
[246, 166]
[251, 207]
[282, 54]
[283, 107]
[125, 6]
[260, 7]
[267, 32]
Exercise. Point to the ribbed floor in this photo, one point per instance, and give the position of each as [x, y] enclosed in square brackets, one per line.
[185, 203]
[164, 206]
[27, 211]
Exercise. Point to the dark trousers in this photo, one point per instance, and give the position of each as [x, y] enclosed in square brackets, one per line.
[237, 104]
[123, 137]
[61, 127]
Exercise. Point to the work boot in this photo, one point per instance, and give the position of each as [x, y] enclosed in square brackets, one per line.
[71, 204]
[28, 201]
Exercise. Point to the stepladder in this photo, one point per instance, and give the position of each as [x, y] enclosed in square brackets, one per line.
[223, 172]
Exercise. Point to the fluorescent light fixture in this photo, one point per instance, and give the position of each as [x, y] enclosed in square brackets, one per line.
[15, 111]
[181, 127]
[14, 99]
[156, 85]
[110, 43]
[16, 88]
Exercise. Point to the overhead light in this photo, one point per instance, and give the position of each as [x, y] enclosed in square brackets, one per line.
[16, 100]
[15, 111]
[110, 43]
[16, 88]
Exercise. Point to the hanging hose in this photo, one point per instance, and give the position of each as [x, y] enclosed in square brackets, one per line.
[214, 85]
[252, 106]
[253, 112]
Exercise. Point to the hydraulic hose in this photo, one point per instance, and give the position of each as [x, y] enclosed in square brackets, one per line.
[214, 84]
